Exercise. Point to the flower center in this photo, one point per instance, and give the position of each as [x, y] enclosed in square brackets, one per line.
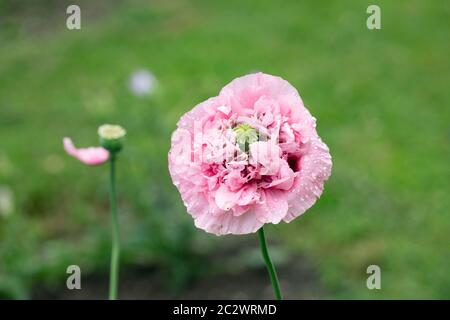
[245, 135]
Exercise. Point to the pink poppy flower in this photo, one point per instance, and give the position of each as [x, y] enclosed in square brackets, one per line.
[249, 156]
[91, 156]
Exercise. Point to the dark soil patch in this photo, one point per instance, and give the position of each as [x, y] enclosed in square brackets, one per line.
[298, 280]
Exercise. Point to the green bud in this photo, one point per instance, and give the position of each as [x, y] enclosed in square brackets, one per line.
[111, 137]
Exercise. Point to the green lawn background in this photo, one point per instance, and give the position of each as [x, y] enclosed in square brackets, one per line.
[381, 99]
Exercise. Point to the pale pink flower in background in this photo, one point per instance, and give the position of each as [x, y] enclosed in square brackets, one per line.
[249, 156]
[91, 156]
[142, 82]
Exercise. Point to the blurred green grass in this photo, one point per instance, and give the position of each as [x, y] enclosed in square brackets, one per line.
[381, 99]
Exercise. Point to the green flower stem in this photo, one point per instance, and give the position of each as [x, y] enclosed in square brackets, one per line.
[269, 264]
[115, 251]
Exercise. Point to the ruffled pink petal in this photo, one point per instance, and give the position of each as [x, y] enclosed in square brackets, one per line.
[244, 91]
[315, 170]
[285, 178]
[249, 195]
[266, 154]
[225, 198]
[90, 156]
[234, 180]
[229, 223]
[273, 206]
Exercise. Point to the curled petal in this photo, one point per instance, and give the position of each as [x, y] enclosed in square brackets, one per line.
[90, 156]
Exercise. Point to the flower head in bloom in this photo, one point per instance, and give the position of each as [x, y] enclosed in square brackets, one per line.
[91, 156]
[249, 156]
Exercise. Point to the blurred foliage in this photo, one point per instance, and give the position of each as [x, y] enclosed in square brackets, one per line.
[381, 99]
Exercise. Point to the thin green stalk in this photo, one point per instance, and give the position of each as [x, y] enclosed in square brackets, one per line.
[269, 264]
[115, 251]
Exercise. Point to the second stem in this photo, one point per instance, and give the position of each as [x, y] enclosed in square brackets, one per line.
[115, 250]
